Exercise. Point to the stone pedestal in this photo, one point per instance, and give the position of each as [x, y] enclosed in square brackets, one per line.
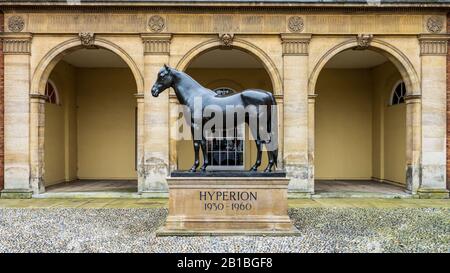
[227, 206]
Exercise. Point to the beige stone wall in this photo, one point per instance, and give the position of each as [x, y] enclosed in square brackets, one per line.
[60, 147]
[344, 124]
[106, 123]
[389, 127]
[358, 134]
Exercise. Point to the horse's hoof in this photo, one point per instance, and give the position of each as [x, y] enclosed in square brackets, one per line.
[268, 170]
[192, 170]
[253, 169]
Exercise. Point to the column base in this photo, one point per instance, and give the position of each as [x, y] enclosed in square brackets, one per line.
[429, 193]
[16, 194]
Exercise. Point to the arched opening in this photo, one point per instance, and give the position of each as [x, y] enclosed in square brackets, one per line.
[360, 134]
[90, 134]
[226, 70]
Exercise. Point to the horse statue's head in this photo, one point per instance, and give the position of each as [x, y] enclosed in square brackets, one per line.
[163, 81]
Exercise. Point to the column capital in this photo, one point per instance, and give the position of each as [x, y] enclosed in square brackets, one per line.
[16, 43]
[158, 43]
[433, 44]
[139, 96]
[312, 98]
[36, 97]
[295, 43]
[413, 98]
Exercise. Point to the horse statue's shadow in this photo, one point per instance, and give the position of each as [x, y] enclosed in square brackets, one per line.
[259, 113]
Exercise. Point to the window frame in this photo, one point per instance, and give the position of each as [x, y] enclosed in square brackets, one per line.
[55, 90]
[225, 167]
[391, 98]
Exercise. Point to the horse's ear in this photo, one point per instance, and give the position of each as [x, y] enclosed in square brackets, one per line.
[166, 67]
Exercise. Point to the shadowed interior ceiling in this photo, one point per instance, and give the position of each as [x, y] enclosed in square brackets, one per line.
[353, 59]
[92, 58]
[223, 58]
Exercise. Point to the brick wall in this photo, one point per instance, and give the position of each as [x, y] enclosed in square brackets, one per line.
[1, 106]
[448, 106]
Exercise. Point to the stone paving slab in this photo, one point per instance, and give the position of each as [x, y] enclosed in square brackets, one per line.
[162, 203]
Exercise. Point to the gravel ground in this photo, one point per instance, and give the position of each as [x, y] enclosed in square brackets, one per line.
[132, 230]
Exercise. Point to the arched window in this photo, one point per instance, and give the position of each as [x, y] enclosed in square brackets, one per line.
[226, 151]
[399, 93]
[51, 93]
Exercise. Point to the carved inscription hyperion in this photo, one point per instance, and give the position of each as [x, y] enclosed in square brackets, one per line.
[296, 24]
[16, 23]
[435, 24]
[156, 23]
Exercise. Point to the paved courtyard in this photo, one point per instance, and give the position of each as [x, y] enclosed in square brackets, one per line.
[128, 225]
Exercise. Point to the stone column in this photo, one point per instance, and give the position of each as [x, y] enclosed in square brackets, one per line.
[37, 128]
[295, 73]
[155, 165]
[140, 139]
[433, 51]
[413, 141]
[280, 103]
[311, 138]
[17, 49]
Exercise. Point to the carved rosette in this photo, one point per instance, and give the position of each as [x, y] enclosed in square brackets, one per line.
[435, 24]
[364, 41]
[226, 39]
[87, 39]
[16, 23]
[156, 23]
[296, 24]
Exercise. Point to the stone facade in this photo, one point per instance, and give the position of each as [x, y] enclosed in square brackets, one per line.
[1, 105]
[448, 106]
[293, 44]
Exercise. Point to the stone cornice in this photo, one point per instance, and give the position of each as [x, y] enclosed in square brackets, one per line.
[295, 43]
[16, 43]
[156, 43]
[433, 44]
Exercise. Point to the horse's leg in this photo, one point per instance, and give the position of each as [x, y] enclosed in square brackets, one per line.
[270, 155]
[205, 156]
[196, 147]
[258, 155]
[196, 152]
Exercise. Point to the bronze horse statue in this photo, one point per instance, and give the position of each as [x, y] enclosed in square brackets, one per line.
[187, 89]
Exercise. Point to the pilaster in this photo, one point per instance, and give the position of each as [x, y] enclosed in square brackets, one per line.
[155, 156]
[295, 71]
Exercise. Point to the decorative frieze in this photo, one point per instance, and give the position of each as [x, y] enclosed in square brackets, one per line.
[16, 43]
[16, 23]
[156, 43]
[87, 39]
[295, 44]
[364, 41]
[433, 44]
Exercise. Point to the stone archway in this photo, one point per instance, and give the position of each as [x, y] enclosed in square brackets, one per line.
[413, 100]
[240, 45]
[37, 98]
